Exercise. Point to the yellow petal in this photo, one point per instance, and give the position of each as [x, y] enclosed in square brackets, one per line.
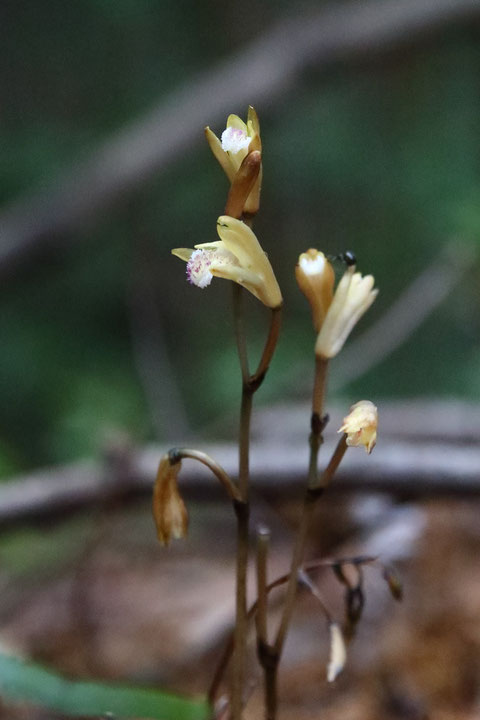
[220, 154]
[236, 122]
[182, 253]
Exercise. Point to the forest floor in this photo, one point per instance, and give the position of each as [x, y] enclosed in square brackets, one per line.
[95, 596]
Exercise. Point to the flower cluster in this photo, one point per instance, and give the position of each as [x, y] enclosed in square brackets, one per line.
[334, 314]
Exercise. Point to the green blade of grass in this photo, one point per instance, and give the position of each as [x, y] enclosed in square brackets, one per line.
[28, 682]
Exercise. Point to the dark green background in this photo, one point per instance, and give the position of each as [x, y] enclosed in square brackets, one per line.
[379, 155]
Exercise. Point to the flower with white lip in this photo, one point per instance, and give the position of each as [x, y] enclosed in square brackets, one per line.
[169, 511]
[352, 298]
[238, 139]
[316, 278]
[237, 256]
[360, 425]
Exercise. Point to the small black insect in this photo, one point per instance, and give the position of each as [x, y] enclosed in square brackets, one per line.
[348, 257]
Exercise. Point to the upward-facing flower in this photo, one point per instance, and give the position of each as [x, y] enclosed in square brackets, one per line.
[353, 297]
[237, 256]
[316, 278]
[238, 139]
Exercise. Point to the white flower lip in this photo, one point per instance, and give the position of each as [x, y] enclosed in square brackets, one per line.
[234, 140]
[312, 266]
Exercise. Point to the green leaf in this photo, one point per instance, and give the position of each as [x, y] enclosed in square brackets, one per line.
[32, 683]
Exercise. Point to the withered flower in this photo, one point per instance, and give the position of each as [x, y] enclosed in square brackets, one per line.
[169, 511]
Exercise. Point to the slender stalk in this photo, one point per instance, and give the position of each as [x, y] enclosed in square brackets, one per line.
[335, 461]
[270, 345]
[241, 620]
[239, 326]
[311, 495]
[177, 454]
[242, 513]
[266, 654]
[263, 541]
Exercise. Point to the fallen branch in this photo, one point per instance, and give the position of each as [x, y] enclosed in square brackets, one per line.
[405, 467]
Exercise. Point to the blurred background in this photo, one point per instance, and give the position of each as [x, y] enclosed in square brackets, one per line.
[369, 114]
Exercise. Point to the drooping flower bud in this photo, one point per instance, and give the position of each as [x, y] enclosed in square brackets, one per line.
[316, 278]
[360, 425]
[338, 652]
[169, 511]
[352, 298]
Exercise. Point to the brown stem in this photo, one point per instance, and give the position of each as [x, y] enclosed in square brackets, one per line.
[263, 540]
[184, 453]
[335, 461]
[240, 337]
[241, 620]
[269, 349]
[311, 495]
[266, 653]
[242, 512]
[320, 381]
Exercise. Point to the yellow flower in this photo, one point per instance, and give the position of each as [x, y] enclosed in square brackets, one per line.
[316, 278]
[237, 256]
[360, 425]
[169, 511]
[238, 139]
[352, 298]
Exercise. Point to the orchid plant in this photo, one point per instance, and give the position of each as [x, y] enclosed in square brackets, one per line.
[239, 257]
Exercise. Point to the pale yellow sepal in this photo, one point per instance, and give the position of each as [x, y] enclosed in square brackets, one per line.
[351, 300]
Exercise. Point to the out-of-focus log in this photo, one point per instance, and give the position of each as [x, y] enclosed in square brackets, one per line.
[423, 451]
